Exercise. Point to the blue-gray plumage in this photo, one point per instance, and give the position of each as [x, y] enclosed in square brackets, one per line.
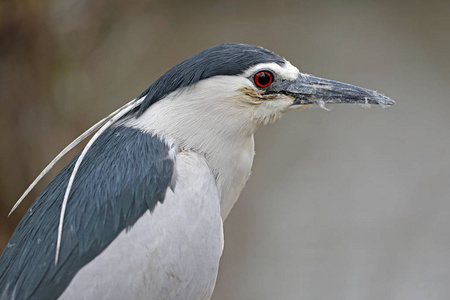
[116, 185]
[143, 215]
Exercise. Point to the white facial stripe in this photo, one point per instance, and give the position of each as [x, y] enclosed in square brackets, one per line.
[287, 71]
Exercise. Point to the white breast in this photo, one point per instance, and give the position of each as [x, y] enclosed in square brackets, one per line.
[172, 253]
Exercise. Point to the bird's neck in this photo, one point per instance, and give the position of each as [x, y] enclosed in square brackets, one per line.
[232, 168]
[224, 140]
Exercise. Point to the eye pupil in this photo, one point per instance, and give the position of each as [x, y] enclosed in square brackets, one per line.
[263, 79]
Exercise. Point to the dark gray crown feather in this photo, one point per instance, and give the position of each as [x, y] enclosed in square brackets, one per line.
[224, 59]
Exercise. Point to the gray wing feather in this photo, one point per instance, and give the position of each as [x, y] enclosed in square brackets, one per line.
[124, 174]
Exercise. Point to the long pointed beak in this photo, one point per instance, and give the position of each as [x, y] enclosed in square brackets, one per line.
[314, 90]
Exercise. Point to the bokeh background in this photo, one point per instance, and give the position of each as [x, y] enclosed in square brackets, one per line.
[348, 204]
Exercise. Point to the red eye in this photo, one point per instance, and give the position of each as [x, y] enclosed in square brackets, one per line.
[263, 79]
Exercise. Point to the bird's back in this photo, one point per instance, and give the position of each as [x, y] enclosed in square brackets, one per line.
[125, 175]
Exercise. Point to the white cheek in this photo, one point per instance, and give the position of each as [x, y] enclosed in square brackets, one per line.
[270, 110]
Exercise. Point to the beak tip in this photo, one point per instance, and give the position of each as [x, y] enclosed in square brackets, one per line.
[385, 101]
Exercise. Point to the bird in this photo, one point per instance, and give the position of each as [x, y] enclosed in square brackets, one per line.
[139, 212]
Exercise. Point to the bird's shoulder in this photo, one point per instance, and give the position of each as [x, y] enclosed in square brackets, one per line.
[124, 174]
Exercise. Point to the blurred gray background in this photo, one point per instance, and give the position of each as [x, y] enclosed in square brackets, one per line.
[347, 204]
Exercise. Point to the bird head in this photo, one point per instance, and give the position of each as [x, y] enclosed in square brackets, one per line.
[240, 87]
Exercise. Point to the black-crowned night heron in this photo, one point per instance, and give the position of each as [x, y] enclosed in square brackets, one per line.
[138, 213]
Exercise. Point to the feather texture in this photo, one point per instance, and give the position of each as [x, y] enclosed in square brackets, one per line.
[125, 174]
